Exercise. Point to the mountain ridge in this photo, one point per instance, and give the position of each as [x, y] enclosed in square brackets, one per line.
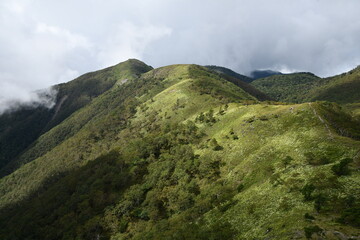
[256, 74]
[229, 72]
[71, 96]
[183, 152]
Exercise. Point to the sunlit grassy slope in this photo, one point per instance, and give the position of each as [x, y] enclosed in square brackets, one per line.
[182, 153]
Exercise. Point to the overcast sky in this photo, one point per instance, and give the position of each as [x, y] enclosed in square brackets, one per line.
[44, 42]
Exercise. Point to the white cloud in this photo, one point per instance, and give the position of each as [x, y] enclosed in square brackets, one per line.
[33, 55]
[46, 42]
[70, 40]
[129, 41]
[14, 96]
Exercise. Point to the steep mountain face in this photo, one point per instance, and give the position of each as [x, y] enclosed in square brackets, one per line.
[182, 152]
[19, 129]
[263, 73]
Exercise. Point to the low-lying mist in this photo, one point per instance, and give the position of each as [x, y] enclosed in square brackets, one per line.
[40, 98]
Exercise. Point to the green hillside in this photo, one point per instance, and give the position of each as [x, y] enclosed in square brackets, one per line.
[229, 72]
[306, 87]
[20, 129]
[98, 122]
[344, 88]
[292, 87]
[263, 73]
[181, 152]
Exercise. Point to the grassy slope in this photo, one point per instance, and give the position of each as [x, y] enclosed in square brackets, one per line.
[94, 125]
[82, 90]
[271, 190]
[354, 108]
[23, 127]
[247, 185]
[342, 88]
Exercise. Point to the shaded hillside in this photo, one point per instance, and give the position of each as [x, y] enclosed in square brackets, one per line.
[230, 73]
[182, 153]
[263, 74]
[248, 88]
[240, 81]
[292, 87]
[18, 129]
[21, 128]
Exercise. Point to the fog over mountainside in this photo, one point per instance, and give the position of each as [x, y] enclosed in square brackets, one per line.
[44, 97]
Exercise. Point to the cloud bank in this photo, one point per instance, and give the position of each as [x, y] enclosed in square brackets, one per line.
[47, 42]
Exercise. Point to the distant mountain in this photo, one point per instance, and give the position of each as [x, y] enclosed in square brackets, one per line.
[263, 73]
[306, 87]
[287, 87]
[230, 72]
[181, 152]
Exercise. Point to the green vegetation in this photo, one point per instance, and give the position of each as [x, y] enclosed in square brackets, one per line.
[263, 73]
[306, 87]
[287, 87]
[181, 152]
[21, 128]
[343, 88]
[240, 81]
[310, 231]
[229, 72]
[342, 168]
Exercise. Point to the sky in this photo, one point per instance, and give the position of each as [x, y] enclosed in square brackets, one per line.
[45, 42]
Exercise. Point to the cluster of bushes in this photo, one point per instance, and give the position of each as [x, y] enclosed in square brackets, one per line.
[349, 207]
[178, 105]
[207, 118]
[314, 160]
[342, 168]
[233, 135]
